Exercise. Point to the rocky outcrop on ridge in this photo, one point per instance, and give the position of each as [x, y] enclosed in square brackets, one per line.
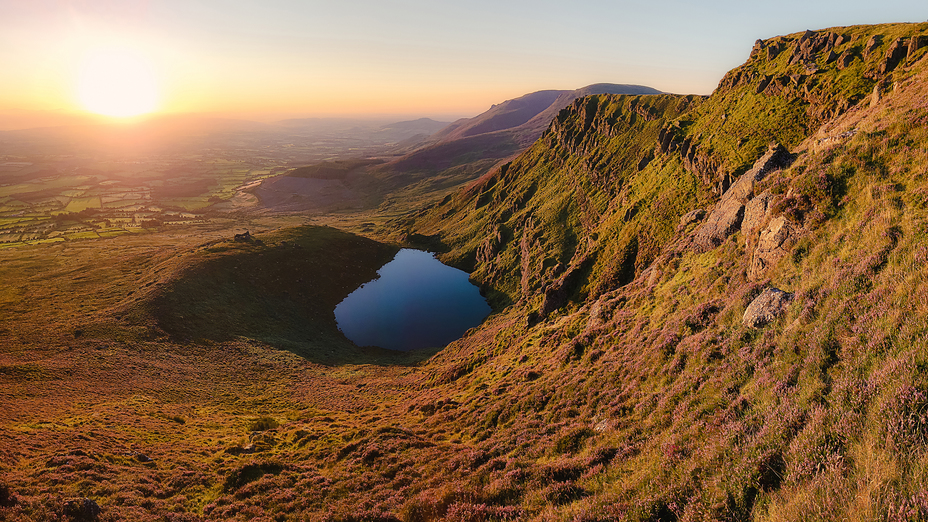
[728, 215]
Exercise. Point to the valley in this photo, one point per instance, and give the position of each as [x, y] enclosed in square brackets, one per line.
[703, 308]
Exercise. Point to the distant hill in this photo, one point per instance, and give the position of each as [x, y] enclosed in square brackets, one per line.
[430, 157]
[506, 115]
[420, 126]
[502, 131]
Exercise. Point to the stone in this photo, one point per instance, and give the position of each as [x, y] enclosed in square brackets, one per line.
[875, 97]
[772, 52]
[82, 510]
[764, 82]
[897, 52]
[845, 59]
[694, 216]
[725, 219]
[766, 307]
[872, 44]
[916, 43]
[772, 246]
[756, 211]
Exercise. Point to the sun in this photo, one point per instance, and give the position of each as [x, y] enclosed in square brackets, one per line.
[117, 82]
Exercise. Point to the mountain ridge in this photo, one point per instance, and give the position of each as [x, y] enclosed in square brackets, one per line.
[511, 125]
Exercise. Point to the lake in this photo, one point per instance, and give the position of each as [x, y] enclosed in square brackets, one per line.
[416, 302]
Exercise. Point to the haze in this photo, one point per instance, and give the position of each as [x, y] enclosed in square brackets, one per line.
[284, 58]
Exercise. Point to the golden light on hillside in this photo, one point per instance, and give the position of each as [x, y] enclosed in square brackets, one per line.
[117, 82]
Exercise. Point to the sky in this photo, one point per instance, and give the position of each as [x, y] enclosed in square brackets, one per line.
[265, 59]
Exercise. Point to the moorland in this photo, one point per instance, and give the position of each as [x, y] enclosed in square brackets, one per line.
[705, 308]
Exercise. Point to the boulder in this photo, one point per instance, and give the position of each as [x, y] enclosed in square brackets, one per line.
[691, 217]
[756, 212]
[772, 246]
[725, 219]
[845, 59]
[916, 43]
[872, 44]
[82, 510]
[897, 52]
[766, 307]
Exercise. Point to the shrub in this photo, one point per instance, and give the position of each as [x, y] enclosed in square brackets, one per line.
[263, 424]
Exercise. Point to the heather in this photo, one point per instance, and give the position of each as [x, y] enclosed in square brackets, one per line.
[616, 380]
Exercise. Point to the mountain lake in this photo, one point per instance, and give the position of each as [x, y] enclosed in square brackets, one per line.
[416, 302]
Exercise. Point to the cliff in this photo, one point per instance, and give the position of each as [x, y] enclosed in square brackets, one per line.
[710, 308]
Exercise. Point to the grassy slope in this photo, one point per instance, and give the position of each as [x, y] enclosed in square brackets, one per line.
[571, 198]
[818, 417]
[643, 397]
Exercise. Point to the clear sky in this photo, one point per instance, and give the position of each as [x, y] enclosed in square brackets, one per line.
[390, 57]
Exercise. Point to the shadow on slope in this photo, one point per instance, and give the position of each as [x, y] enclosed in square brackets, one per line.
[281, 291]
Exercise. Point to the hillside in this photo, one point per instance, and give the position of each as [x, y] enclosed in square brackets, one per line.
[426, 166]
[706, 308]
[631, 355]
[500, 132]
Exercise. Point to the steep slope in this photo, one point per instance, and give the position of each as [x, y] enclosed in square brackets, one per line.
[657, 394]
[616, 170]
[502, 131]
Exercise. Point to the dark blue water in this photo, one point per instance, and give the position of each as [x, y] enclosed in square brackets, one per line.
[417, 302]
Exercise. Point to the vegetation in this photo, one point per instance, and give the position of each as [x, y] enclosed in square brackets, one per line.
[617, 379]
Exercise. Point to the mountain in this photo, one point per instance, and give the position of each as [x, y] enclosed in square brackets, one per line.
[705, 308]
[710, 308]
[419, 126]
[500, 132]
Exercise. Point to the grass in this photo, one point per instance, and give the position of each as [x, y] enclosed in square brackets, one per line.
[642, 396]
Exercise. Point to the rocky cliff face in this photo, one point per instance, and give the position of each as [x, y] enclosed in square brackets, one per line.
[724, 294]
[629, 167]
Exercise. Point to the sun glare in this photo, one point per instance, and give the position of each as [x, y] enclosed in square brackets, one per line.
[117, 82]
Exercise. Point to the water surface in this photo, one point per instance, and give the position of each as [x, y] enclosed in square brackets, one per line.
[417, 302]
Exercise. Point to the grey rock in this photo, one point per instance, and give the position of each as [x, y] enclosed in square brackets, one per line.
[691, 217]
[725, 219]
[772, 246]
[897, 52]
[872, 44]
[916, 43]
[756, 212]
[845, 59]
[766, 307]
[82, 510]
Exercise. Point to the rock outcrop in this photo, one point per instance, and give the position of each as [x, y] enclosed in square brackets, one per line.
[766, 307]
[694, 216]
[772, 246]
[728, 214]
[756, 213]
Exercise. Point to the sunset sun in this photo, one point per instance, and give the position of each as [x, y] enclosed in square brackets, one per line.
[117, 82]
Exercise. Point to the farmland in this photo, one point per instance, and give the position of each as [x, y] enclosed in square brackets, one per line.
[68, 184]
